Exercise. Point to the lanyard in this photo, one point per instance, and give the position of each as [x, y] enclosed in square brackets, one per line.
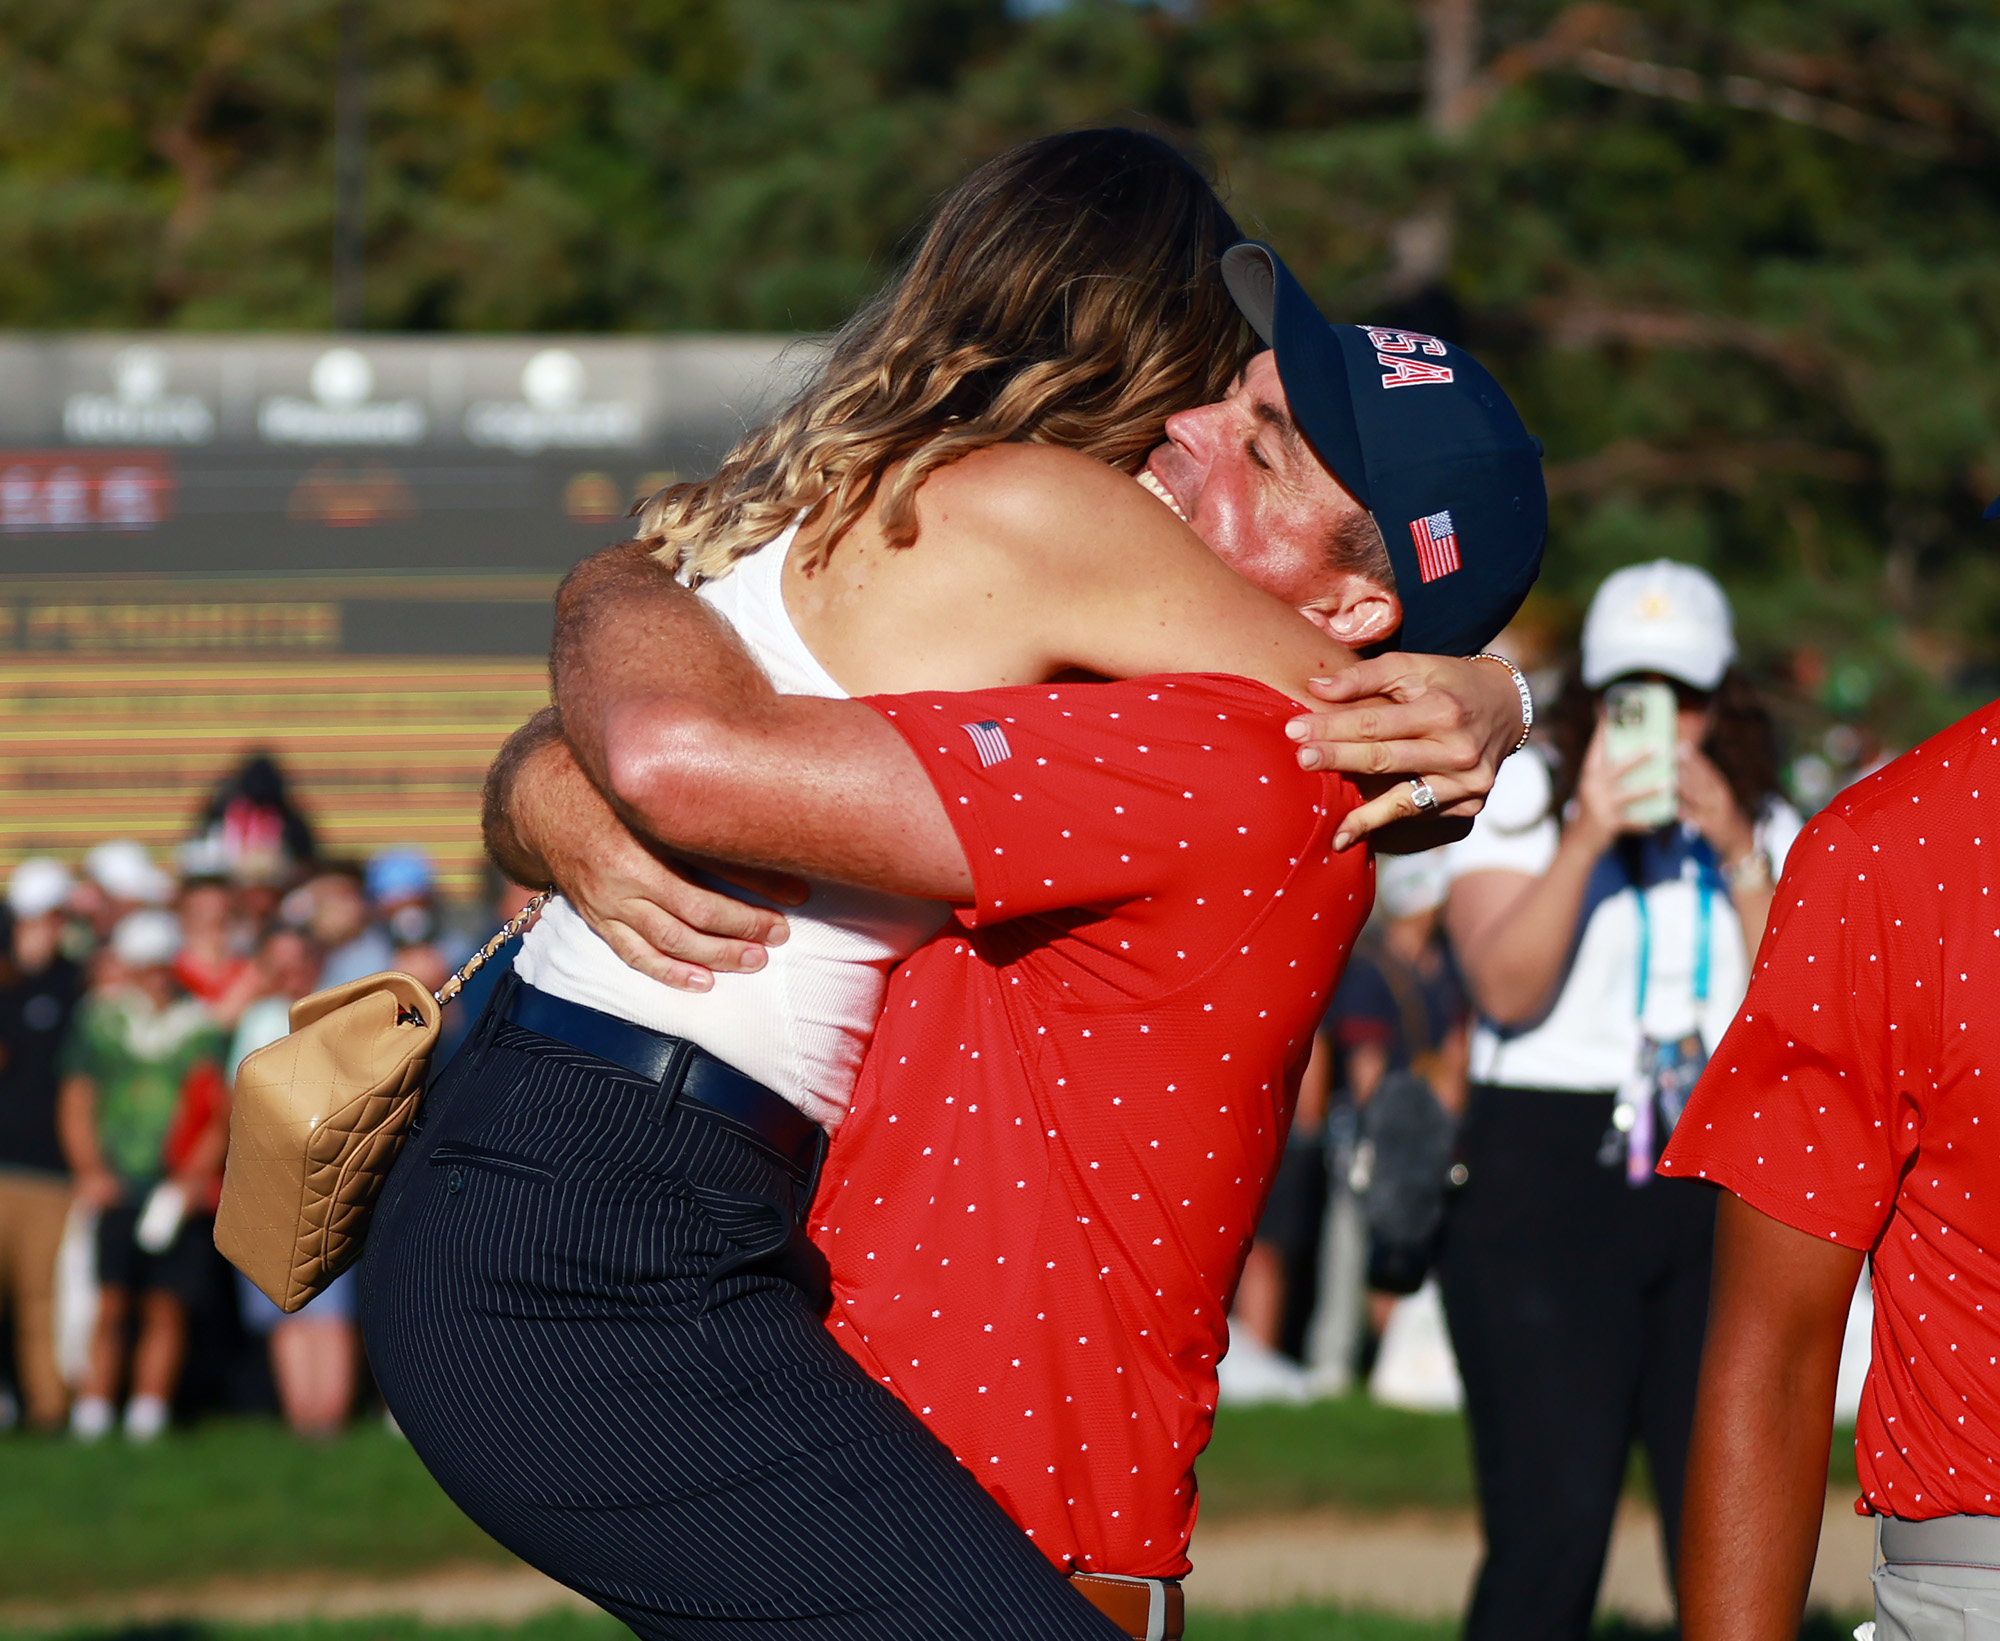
[1704, 922]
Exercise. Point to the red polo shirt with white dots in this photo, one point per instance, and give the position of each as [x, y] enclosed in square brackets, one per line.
[1857, 1097]
[1037, 1208]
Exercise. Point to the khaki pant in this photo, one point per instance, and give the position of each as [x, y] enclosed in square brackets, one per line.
[1945, 1596]
[32, 1212]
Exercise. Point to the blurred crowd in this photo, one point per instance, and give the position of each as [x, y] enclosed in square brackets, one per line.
[131, 990]
[1467, 1214]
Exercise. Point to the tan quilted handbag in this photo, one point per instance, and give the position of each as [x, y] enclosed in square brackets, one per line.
[318, 1120]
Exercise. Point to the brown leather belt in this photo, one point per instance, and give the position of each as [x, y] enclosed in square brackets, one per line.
[1147, 1609]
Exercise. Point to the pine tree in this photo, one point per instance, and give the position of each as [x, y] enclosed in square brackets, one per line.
[1739, 264]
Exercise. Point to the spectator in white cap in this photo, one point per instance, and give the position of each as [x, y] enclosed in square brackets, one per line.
[39, 989]
[1605, 910]
[144, 1125]
[119, 876]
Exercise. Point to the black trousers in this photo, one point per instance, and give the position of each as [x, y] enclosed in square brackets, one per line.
[1577, 1306]
[592, 1312]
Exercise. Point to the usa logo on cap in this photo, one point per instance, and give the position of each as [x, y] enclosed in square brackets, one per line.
[1437, 545]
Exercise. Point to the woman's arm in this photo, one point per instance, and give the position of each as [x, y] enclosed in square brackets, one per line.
[1032, 561]
[205, 1157]
[1513, 933]
[1710, 807]
[76, 1126]
[1039, 561]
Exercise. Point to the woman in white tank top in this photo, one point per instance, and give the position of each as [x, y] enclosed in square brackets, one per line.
[800, 1024]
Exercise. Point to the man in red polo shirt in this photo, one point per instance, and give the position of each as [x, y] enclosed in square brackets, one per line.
[1851, 1112]
[1039, 1204]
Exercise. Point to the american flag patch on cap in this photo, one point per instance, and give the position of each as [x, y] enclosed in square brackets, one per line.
[989, 740]
[1437, 545]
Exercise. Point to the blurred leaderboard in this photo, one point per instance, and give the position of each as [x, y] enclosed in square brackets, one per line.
[339, 548]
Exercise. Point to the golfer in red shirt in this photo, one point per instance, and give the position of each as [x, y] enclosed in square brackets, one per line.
[1851, 1113]
[1039, 1205]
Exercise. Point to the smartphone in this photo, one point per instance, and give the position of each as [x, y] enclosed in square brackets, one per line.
[1642, 721]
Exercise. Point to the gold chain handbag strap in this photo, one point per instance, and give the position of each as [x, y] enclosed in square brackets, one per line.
[477, 961]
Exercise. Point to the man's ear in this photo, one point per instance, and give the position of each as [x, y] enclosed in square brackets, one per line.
[1354, 610]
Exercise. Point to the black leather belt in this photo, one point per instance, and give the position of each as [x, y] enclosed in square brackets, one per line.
[683, 1071]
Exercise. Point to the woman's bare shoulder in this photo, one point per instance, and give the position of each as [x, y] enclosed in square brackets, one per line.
[1025, 497]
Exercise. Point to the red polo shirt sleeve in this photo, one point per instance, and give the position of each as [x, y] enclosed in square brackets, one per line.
[1805, 1111]
[1094, 795]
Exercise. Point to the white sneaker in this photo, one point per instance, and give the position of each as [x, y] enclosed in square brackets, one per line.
[1251, 1373]
[145, 1418]
[90, 1419]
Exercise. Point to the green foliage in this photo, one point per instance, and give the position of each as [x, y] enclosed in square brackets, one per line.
[1351, 1454]
[246, 1499]
[238, 1500]
[1357, 1455]
[1739, 263]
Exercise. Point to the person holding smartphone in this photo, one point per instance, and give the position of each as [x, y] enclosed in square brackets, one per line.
[1605, 911]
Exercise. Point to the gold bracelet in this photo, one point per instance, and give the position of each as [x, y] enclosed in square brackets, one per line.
[1527, 697]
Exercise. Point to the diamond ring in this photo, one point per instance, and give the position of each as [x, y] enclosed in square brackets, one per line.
[1422, 796]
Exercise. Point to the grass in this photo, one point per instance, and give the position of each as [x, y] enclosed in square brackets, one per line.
[244, 1499]
[1351, 1454]
[235, 1498]
[1354, 1454]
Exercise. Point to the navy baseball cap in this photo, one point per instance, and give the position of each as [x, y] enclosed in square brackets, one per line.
[1422, 437]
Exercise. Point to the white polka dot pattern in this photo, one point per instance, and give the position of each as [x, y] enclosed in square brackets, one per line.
[1849, 1100]
[1039, 1205]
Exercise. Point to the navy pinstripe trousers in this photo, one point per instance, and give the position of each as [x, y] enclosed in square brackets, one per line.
[593, 1315]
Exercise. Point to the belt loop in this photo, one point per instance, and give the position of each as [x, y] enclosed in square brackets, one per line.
[679, 1059]
[809, 1187]
[1156, 1609]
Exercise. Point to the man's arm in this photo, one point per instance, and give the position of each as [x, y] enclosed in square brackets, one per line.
[545, 823]
[1756, 1481]
[669, 715]
[76, 1127]
[1095, 574]
[205, 1157]
[525, 778]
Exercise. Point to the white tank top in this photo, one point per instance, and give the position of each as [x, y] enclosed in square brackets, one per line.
[800, 1024]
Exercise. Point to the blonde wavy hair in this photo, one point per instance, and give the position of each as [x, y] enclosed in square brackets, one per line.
[1065, 293]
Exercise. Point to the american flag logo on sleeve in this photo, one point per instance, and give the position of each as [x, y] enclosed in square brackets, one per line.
[989, 740]
[1437, 545]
